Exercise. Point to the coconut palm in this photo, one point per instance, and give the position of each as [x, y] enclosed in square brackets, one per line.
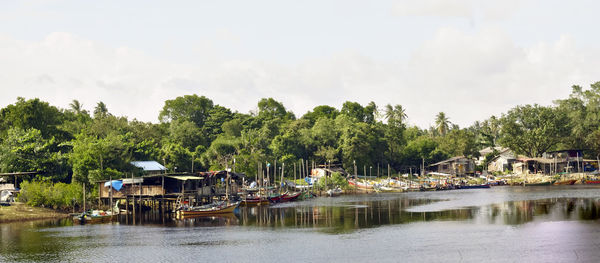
[100, 110]
[442, 123]
[395, 115]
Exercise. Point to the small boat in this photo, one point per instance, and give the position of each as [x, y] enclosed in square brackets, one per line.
[360, 184]
[567, 182]
[473, 186]
[276, 198]
[93, 217]
[287, 197]
[334, 192]
[592, 181]
[539, 184]
[212, 209]
[254, 201]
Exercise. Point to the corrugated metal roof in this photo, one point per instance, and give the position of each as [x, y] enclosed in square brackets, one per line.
[149, 165]
[184, 178]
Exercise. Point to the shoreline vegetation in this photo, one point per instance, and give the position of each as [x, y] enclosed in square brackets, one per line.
[62, 153]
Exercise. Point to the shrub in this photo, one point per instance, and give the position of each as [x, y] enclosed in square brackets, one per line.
[46, 194]
[333, 181]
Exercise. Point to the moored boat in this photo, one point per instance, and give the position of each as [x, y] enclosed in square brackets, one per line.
[358, 184]
[212, 209]
[289, 197]
[592, 181]
[93, 217]
[255, 201]
[334, 192]
[567, 182]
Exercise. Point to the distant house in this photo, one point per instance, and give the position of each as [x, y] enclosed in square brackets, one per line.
[458, 166]
[502, 162]
[150, 167]
[485, 151]
[327, 171]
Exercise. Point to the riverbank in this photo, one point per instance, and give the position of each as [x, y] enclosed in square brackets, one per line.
[23, 212]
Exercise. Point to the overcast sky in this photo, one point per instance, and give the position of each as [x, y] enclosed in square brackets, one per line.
[468, 58]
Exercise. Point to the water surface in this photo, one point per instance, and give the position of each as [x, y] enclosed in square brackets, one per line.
[557, 224]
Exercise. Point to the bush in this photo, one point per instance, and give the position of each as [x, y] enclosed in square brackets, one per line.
[46, 194]
[333, 181]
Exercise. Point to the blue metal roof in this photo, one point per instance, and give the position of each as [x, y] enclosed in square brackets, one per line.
[149, 165]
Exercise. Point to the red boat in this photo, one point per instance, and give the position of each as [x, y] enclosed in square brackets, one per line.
[567, 182]
[592, 181]
[289, 197]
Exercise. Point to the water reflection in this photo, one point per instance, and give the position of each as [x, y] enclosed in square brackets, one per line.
[350, 216]
[59, 240]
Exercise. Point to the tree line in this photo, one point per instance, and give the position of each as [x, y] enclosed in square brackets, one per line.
[194, 133]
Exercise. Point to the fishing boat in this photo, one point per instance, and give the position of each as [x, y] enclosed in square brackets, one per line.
[212, 209]
[92, 217]
[254, 201]
[360, 184]
[275, 198]
[592, 181]
[567, 182]
[539, 184]
[287, 197]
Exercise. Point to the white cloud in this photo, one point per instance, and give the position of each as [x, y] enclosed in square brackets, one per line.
[470, 76]
[486, 9]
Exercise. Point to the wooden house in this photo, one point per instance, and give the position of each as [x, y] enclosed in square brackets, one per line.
[457, 166]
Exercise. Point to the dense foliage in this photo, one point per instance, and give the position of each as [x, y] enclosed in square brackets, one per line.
[65, 145]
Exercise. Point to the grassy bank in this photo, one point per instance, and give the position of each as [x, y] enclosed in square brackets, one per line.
[23, 212]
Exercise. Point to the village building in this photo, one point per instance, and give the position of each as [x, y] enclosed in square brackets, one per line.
[324, 170]
[156, 184]
[555, 162]
[457, 166]
[502, 162]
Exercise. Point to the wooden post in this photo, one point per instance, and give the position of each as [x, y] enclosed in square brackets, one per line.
[365, 174]
[282, 170]
[111, 196]
[140, 202]
[83, 197]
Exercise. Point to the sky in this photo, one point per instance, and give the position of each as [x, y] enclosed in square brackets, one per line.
[468, 58]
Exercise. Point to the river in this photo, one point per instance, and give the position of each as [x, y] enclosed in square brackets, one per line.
[531, 224]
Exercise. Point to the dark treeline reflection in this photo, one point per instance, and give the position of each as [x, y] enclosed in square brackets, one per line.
[347, 217]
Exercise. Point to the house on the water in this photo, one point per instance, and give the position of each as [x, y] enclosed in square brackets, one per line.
[564, 161]
[155, 183]
[457, 166]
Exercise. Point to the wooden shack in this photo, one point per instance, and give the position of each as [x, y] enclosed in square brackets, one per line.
[457, 166]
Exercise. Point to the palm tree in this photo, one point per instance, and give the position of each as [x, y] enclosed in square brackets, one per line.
[100, 111]
[442, 123]
[76, 106]
[396, 115]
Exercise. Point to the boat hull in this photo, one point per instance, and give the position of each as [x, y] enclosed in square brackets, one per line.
[567, 182]
[254, 202]
[92, 219]
[226, 210]
[592, 182]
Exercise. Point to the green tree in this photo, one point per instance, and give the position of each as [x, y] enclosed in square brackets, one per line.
[189, 107]
[533, 129]
[27, 151]
[36, 114]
